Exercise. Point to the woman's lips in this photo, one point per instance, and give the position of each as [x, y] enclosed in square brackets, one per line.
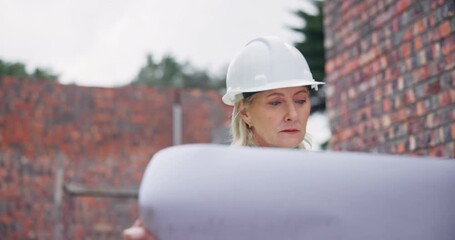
[291, 130]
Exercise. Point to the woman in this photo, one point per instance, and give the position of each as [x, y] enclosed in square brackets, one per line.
[268, 85]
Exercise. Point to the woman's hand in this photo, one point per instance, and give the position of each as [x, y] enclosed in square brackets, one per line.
[137, 232]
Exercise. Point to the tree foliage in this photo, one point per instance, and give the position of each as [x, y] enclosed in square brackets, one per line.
[17, 69]
[169, 72]
[312, 47]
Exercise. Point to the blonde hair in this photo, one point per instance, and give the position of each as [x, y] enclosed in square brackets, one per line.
[241, 134]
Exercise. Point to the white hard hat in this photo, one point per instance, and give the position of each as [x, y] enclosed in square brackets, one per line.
[266, 63]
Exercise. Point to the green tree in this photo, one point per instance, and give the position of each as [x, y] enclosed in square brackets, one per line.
[17, 69]
[12, 69]
[171, 73]
[44, 74]
[312, 47]
[168, 72]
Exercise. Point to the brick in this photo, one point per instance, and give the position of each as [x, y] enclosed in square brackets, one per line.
[449, 62]
[436, 50]
[418, 43]
[422, 58]
[386, 105]
[385, 121]
[450, 150]
[444, 99]
[419, 27]
[405, 50]
[409, 97]
[400, 148]
[402, 6]
[444, 29]
[448, 45]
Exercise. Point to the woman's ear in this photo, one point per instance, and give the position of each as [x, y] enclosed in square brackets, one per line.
[243, 111]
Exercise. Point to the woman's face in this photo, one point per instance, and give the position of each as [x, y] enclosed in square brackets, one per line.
[278, 117]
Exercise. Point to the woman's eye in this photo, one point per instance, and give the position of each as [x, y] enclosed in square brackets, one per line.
[301, 101]
[275, 103]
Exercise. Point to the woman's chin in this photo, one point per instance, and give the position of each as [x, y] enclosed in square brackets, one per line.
[289, 143]
[285, 141]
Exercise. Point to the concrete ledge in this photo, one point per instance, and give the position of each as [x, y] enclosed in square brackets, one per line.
[79, 190]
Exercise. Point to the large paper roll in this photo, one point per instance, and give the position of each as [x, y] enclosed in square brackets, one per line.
[210, 192]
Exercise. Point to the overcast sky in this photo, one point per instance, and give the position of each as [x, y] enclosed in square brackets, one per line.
[104, 42]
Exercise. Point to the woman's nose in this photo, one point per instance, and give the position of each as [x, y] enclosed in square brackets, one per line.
[291, 114]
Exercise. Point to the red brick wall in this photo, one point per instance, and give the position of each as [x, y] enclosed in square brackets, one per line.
[391, 76]
[208, 113]
[102, 137]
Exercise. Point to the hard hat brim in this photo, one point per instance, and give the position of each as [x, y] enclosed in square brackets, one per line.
[234, 95]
